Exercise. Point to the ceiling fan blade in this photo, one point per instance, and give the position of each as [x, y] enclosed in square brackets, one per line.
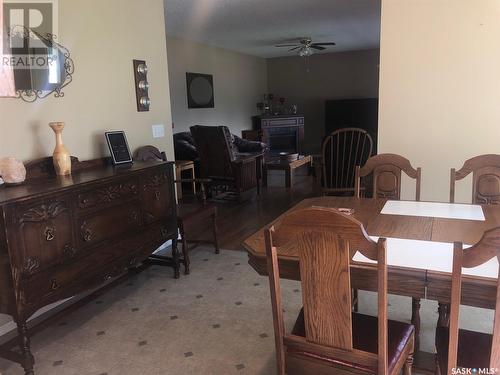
[319, 48]
[286, 45]
[324, 44]
[293, 49]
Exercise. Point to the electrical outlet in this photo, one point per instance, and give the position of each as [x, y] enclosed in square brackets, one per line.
[158, 131]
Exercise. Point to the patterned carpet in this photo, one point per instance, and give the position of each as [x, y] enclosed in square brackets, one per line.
[215, 321]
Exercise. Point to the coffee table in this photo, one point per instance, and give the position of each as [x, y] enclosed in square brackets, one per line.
[288, 167]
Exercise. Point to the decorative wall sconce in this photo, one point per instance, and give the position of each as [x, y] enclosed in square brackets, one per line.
[141, 85]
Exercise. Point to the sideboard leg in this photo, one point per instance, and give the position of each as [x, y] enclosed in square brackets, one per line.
[415, 320]
[175, 259]
[24, 343]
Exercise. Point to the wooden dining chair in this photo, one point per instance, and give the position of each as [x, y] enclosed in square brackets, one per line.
[328, 338]
[341, 152]
[386, 170]
[190, 216]
[459, 348]
[485, 171]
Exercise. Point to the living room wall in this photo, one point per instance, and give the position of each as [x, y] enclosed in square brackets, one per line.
[103, 38]
[309, 83]
[240, 81]
[440, 87]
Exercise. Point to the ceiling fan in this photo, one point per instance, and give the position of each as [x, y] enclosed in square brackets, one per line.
[305, 46]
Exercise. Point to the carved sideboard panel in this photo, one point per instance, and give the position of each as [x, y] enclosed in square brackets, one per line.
[43, 235]
[108, 194]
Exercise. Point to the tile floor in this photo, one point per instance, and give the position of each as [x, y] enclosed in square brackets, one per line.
[215, 321]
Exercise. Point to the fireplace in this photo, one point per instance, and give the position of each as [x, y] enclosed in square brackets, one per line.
[282, 133]
[283, 140]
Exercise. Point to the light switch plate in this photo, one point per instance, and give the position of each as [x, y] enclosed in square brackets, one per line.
[158, 131]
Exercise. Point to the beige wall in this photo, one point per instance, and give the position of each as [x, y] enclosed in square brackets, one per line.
[343, 75]
[440, 86]
[103, 38]
[240, 81]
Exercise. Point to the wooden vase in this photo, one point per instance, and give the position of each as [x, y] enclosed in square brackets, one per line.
[61, 156]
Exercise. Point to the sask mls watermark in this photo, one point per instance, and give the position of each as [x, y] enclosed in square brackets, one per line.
[28, 40]
[474, 371]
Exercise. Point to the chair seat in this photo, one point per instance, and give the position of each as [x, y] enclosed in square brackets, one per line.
[365, 338]
[187, 211]
[474, 349]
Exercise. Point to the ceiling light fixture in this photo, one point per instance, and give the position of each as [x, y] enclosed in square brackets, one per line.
[306, 51]
[305, 47]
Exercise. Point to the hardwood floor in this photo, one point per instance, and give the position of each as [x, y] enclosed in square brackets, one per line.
[237, 221]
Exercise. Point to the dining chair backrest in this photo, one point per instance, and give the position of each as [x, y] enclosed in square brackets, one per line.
[485, 171]
[150, 153]
[486, 249]
[325, 241]
[341, 152]
[386, 172]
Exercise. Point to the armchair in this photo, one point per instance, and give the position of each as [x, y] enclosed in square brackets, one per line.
[228, 170]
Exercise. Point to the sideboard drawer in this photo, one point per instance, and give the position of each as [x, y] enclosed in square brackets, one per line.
[98, 266]
[43, 234]
[109, 223]
[109, 194]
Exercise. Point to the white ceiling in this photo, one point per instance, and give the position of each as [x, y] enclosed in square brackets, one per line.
[255, 26]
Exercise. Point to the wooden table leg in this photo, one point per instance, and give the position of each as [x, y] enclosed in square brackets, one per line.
[216, 240]
[185, 249]
[175, 259]
[355, 300]
[415, 320]
[288, 177]
[444, 318]
[260, 167]
[178, 177]
[193, 176]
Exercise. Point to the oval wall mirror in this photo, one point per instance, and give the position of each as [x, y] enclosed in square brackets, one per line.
[38, 72]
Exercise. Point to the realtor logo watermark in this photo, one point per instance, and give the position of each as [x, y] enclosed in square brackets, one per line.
[30, 26]
[474, 371]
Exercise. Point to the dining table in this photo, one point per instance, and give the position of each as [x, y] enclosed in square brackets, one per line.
[420, 238]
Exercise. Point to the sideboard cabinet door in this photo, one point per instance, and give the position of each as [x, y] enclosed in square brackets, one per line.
[42, 234]
[158, 198]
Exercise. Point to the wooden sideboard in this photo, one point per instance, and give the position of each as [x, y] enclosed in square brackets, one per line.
[60, 236]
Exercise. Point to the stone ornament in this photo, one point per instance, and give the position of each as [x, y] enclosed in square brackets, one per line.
[61, 156]
[12, 171]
